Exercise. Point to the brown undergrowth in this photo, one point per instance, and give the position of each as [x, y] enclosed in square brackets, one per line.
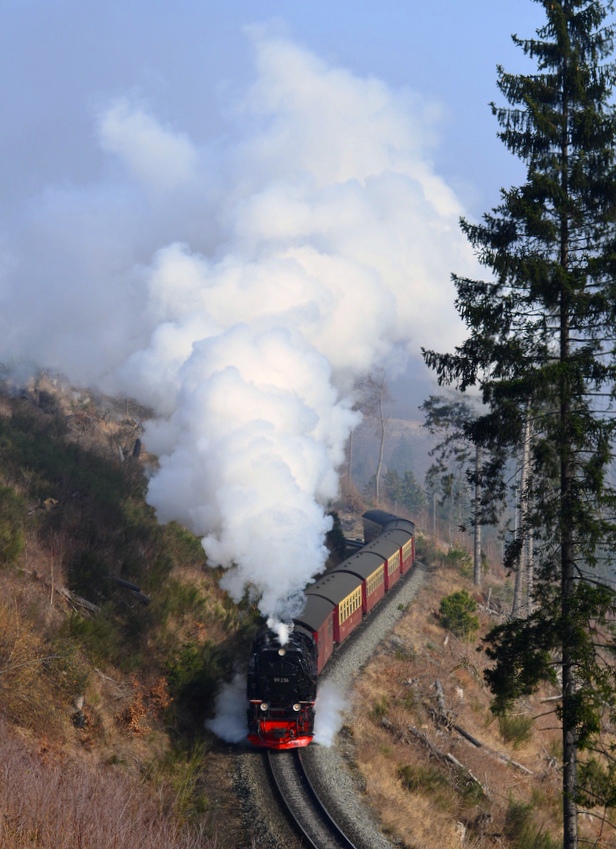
[48, 799]
[401, 739]
[103, 689]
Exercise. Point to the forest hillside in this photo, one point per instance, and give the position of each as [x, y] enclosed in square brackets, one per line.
[114, 637]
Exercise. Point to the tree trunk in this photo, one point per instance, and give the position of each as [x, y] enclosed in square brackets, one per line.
[521, 590]
[568, 664]
[477, 545]
[382, 429]
[350, 461]
[379, 467]
[570, 825]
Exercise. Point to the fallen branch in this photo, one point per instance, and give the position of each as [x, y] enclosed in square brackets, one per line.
[35, 660]
[469, 775]
[123, 689]
[144, 599]
[449, 759]
[444, 717]
[477, 743]
[77, 599]
[423, 738]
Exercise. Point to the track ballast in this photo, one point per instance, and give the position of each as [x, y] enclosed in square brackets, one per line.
[303, 803]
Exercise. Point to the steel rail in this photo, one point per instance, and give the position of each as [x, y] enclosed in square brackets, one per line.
[302, 802]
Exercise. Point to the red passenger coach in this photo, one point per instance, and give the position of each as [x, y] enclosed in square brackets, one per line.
[389, 551]
[377, 522]
[407, 550]
[370, 567]
[374, 522]
[344, 590]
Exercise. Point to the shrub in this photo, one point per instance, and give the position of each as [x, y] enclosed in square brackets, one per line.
[427, 551]
[429, 782]
[12, 518]
[457, 614]
[409, 700]
[99, 635]
[88, 576]
[460, 558]
[182, 545]
[425, 778]
[523, 832]
[38, 676]
[184, 766]
[193, 676]
[379, 709]
[179, 600]
[515, 728]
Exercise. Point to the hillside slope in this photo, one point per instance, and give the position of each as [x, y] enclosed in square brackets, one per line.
[114, 636]
[432, 785]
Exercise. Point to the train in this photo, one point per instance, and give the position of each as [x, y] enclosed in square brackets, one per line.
[282, 678]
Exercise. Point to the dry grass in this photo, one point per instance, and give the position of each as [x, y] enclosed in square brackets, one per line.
[399, 685]
[34, 676]
[56, 803]
[91, 751]
[57, 783]
[420, 823]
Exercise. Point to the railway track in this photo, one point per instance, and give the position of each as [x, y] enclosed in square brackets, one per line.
[302, 802]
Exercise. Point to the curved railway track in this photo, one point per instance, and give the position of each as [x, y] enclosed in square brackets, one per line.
[302, 802]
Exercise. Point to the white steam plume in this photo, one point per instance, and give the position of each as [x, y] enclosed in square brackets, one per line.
[329, 707]
[231, 704]
[240, 290]
[157, 157]
[282, 630]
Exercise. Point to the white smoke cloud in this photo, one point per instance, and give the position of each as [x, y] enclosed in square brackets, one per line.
[230, 723]
[156, 156]
[283, 630]
[329, 713]
[240, 289]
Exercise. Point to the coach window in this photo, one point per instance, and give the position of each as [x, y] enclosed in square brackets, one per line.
[375, 580]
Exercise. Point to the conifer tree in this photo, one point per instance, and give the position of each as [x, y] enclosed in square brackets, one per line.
[542, 332]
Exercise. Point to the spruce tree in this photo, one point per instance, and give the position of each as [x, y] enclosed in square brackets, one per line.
[542, 337]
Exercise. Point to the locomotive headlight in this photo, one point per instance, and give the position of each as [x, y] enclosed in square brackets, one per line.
[264, 706]
[296, 707]
[282, 652]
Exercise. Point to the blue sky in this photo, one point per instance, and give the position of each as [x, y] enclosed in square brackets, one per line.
[60, 60]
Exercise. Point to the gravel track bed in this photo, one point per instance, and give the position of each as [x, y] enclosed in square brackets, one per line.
[328, 768]
[340, 788]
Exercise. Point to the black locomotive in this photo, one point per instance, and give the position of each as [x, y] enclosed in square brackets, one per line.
[282, 688]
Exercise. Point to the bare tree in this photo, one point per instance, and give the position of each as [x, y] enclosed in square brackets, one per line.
[377, 394]
[373, 395]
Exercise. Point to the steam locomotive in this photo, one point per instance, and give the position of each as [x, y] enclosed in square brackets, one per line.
[282, 678]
